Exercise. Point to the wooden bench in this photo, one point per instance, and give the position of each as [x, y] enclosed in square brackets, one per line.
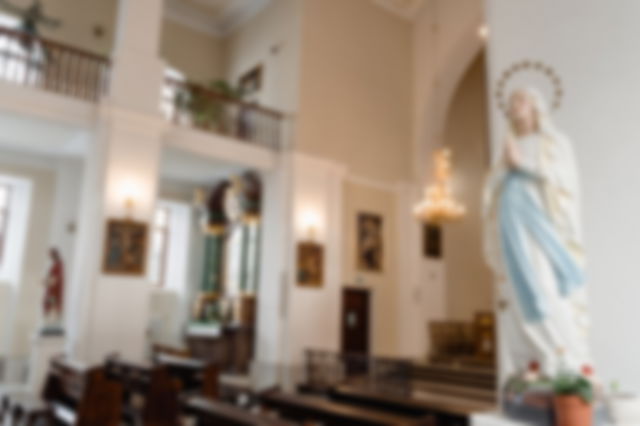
[210, 412]
[150, 394]
[195, 376]
[443, 410]
[318, 409]
[72, 395]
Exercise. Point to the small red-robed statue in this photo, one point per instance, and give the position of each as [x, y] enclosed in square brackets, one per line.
[54, 289]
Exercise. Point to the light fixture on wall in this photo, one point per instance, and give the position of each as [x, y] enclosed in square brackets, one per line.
[130, 193]
[438, 204]
[310, 222]
[483, 32]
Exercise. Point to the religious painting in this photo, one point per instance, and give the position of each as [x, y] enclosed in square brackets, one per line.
[310, 264]
[125, 247]
[251, 83]
[370, 244]
[432, 241]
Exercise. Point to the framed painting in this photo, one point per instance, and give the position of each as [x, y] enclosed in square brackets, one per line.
[125, 251]
[250, 83]
[432, 241]
[370, 242]
[310, 264]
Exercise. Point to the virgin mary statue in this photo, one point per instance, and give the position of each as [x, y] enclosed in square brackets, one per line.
[533, 244]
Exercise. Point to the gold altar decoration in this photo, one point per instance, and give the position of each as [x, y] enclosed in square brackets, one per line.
[438, 204]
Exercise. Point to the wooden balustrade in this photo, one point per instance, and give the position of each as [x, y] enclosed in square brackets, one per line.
[190, 104]
[48, 65]
[52, 66]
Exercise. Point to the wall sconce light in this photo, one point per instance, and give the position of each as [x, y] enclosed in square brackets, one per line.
[310, 225]
[129, 194]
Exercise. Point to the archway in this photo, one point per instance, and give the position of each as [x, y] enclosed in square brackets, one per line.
[468, 279]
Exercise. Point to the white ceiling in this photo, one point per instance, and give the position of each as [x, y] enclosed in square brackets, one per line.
[183, 167]
[215, 17]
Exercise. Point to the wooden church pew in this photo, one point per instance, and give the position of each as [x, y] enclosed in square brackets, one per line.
[196, 376]
[150, 395]
[210, 412]
[446, 413]
[71, 396]
[317, 409]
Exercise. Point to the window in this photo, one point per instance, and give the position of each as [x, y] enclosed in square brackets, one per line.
[170, 91]
[5, 199]
[160, 246]
[241, 258]
[233, 257]
[14, 57]
[170, 246]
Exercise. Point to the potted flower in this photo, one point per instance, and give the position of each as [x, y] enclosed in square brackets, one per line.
[573, 400]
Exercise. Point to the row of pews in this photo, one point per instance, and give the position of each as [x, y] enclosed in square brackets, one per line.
[176, 390]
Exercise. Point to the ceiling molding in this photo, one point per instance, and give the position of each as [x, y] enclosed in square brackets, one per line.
[239, 13]
[230, 18]
[183, 14]
[407, 9]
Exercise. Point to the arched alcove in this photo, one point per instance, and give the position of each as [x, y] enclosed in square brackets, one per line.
[468, 279]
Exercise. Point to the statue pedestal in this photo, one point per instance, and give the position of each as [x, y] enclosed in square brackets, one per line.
[44, 347]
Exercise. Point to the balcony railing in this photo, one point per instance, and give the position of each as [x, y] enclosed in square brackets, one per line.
[193, 105]
[52, 66]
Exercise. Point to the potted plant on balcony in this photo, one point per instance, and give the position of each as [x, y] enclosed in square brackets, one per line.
[208, 106]
[573, 400]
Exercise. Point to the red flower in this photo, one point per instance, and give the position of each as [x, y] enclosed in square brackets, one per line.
[534, 366]
[587, 370]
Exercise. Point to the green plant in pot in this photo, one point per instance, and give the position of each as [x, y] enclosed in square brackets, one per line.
[573, 401]
[207, 106]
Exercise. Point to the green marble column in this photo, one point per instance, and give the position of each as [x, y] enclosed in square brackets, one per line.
[213, 267]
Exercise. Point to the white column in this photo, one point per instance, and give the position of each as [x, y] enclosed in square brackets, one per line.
[138, 70]
[313, 313]
[109, 313]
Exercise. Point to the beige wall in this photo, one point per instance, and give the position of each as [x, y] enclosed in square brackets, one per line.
[468, 280]
[196, 54]
[444, 51]
[361, 198]
[355, 93]
[78, 19]
[270, 39]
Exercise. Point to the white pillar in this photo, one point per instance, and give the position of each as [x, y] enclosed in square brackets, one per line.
[109, 313]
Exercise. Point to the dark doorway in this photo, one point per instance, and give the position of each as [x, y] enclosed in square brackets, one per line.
[355, 321]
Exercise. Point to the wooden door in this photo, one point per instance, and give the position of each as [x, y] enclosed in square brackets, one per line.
[355, 321]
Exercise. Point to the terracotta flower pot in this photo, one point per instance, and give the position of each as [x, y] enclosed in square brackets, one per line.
[571, 410]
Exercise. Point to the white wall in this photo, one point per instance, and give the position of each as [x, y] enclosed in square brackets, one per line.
[593, 46]
[27, 293]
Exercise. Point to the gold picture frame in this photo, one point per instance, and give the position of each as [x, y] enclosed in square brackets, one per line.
[310, 264]
[370, 242]
[125, 247]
